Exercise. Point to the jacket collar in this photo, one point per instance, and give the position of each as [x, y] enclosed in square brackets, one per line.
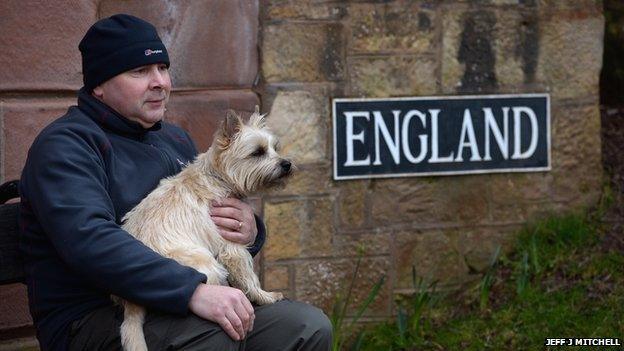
[109, 119]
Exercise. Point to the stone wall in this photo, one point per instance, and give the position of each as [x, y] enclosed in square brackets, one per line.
[445, 228]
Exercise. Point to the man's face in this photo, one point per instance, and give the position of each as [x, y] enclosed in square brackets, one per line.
[139, 94]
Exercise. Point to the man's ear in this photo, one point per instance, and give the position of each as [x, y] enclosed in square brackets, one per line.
[98, 92]
[231, 125]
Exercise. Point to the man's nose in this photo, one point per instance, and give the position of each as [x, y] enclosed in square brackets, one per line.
[158, 78]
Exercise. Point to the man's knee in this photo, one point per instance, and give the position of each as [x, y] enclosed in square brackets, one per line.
[294, 325]
[317, 325]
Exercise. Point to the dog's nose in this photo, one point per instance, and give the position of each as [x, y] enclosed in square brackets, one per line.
[285, 164]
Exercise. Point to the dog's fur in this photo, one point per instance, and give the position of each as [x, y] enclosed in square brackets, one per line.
[174, 219]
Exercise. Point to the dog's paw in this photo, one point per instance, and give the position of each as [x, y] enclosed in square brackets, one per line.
[267, 297]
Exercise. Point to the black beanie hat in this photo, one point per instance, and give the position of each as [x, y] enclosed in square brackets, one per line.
[117, 44]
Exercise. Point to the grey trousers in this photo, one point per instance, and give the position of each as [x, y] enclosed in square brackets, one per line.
[285, 325]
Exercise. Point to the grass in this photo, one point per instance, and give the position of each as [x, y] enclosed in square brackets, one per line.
[561, 280]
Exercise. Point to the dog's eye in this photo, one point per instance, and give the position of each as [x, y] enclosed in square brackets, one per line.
[259, 152]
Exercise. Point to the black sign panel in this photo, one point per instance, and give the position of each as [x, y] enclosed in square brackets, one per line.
[423, 136]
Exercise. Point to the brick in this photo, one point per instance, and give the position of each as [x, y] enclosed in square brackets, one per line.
[302, 52]
[210, 43]
[296, 229]
[322, 282]
[391, 27]
[22, 122]
[40, 43]
[432, 255]
[391, 76]
[200, 113]
[300, 120]
[276, 10]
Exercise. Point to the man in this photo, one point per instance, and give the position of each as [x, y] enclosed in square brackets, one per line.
[91, 166]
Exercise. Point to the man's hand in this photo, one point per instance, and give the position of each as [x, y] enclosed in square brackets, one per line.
[224, 305]
[235, 221]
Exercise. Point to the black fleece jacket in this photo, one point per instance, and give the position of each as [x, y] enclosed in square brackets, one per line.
[83, 173]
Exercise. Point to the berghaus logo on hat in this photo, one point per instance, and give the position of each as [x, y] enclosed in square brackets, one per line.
[150, 52]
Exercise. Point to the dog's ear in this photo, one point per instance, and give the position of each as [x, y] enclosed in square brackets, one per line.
[231, 125]
[257, 120]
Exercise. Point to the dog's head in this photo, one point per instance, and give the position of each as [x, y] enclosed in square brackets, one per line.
[247, 154]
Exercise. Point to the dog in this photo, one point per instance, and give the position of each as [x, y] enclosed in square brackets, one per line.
[174, 219]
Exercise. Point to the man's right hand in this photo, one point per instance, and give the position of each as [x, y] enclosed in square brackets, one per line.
[224, 305]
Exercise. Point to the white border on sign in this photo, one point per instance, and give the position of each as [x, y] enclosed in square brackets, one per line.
[442, 173]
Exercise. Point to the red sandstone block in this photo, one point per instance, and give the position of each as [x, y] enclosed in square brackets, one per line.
[39, 41]
[22, 122]
[210, 43]
[14, 307]
[201, 112]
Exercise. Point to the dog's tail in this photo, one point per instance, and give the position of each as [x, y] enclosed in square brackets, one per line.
[132, 337]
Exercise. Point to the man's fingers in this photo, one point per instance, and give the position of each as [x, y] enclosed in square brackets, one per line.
[229, 223]
[228, 212]
[236, 323]
[228, 328]
[244, 316]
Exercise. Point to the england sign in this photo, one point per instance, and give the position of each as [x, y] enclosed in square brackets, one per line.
[446, 135]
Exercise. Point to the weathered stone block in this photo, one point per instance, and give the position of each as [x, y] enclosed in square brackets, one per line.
[298, 229]
[14, 307]
[284, 229]
[22, 121]
[377, 242]
[39, 41]
[519, 196]
[302, 52]
[584, 6]
[300, 120]
[210, 43]
[478, 245]
[352, 203]
[516, 187]
[390, 27]
[432, 255]
[392, 76]
[311, 179]
[484, 50]
[430, 200]
[405, 200]
[276, 277]
[321, 282]
[302, 10]
[570, 55]
[576, 153]
[200, 113]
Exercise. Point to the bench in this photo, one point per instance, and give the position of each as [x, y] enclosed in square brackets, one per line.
[11, 267]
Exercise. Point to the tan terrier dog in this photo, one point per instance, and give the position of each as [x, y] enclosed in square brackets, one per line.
[174, 219]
